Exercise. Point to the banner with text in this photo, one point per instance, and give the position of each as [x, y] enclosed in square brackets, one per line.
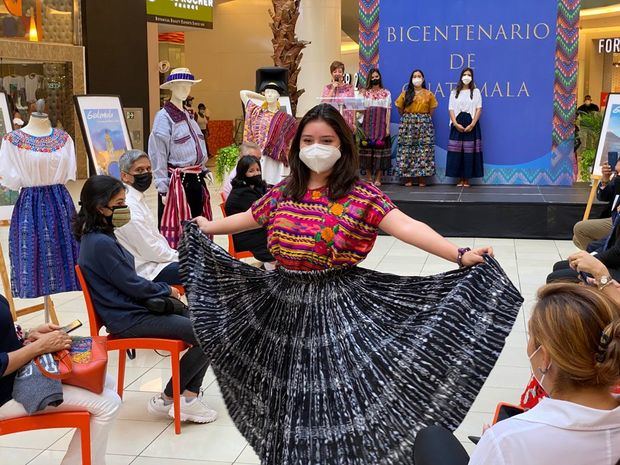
[512, 49]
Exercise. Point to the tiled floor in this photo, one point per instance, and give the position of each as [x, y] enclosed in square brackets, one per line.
[138, 439]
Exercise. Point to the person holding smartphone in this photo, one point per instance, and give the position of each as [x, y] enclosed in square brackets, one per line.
[590, 234]
[338, 88]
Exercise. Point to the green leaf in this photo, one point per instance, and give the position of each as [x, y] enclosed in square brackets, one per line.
[227, 158]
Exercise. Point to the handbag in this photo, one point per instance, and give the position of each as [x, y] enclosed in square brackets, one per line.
[84, 365]
[165, 306]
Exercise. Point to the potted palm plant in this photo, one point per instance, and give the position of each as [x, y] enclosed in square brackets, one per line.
[590, 126]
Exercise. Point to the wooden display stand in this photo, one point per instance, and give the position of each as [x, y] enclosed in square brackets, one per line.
[596, 180]
[47, 305]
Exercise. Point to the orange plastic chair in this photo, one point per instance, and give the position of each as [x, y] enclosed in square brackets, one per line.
[231, 244]
[79, 420]
[174, 346]
[223, 197]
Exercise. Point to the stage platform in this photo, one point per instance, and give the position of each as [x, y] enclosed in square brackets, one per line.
[524, 212]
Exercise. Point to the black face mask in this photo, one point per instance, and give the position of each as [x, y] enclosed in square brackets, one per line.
[254, 180]
[375, 82]
[141, 182]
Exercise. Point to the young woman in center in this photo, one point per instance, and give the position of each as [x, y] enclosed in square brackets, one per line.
[416, 136]
[465, 145]
[324, 362]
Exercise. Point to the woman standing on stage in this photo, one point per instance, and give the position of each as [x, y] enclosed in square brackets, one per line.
[416, 137]
[465, 145]
[322, 362]
[376, 145]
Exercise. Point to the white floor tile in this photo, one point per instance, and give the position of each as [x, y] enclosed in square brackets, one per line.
[14, 456]
[199, 442]
[248, 456]
[53, 457]
[175, 461]
[39, 439]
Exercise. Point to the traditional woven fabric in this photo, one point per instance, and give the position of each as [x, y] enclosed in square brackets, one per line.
[343, 91]
[317, 233]
[416, 146]
[375, 147]
[42, 249]
[465, 150]
[282, 130]
[177, 210]
[45, 144]
[344, 366]
[257, 124]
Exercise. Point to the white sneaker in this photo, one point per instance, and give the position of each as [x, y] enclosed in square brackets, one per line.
[195, 410]
[158, 406]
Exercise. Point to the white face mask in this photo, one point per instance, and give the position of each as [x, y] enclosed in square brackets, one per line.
[417, 81]
[319, 158]
[544, 372]
[466, 79]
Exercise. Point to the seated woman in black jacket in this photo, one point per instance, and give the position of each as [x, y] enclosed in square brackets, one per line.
[119, 293]
[247, 187]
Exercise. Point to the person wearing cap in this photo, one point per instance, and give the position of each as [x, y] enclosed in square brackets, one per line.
[178, 153]
[269, 128]
[588, 106]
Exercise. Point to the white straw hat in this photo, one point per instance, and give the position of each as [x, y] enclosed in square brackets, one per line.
[180, 75]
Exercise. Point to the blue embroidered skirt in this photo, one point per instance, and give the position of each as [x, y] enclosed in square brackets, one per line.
[42, 248]
[344, 366]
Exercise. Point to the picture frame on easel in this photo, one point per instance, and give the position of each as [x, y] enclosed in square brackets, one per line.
[608, 147]
[105, 131]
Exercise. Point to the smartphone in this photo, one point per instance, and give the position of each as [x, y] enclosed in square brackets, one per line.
[502, 412]
[505, 411]
[75, 324]
[612, 159]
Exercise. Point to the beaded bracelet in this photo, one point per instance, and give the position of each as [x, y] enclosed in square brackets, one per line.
[459, 257]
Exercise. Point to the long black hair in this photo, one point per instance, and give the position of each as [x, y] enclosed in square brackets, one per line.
[410, 94]
[97, 192]
[243, 165]
[460, 85]
[344, 174]
[370, 73]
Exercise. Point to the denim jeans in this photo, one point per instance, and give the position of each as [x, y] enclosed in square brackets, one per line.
[194, 363]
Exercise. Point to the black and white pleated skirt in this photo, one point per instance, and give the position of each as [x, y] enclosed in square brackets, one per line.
[344, 366]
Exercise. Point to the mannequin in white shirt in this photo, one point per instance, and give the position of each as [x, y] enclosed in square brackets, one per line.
[155, 259]
[39, 124]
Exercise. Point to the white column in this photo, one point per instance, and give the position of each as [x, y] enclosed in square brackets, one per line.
[320, 23]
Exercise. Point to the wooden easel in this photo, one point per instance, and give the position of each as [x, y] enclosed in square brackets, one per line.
[47, 305]
[596, 180]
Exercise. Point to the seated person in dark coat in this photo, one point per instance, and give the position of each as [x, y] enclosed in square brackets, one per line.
[247, 187]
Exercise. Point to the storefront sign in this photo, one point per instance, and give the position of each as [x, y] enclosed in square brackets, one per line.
[189, 13]
[609, 45]
[501, 42]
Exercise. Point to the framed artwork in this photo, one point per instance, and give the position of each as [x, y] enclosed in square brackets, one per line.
[7, 197]
[609, 143]
[105, 132]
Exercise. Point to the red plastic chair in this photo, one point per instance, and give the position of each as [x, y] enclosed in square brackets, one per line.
[231, 244]
[79, 420]
[174, 346]
[223, 196]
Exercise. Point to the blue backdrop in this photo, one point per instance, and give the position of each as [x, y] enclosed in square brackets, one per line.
[510, 45]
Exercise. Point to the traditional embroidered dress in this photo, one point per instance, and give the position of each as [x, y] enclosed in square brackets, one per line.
[42, 249]
[322, 362]
[416, 136]
[343, 91]
[375, 147]
[464, 158]
[273, 133]
[176, 145]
